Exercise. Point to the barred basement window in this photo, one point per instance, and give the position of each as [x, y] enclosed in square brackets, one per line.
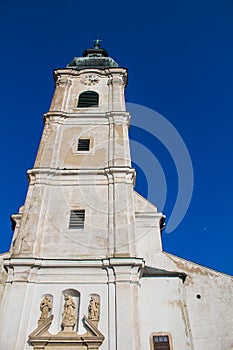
[83, 144]
[77, 218]
[88, 99]
[161, 342]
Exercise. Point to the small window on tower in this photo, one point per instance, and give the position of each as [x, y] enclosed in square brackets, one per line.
[161, 342]
[88, 99]
[77, 218]
[83, 145]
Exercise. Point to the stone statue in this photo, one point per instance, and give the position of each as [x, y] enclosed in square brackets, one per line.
[45, 307]
[69, 314]
[94, 308]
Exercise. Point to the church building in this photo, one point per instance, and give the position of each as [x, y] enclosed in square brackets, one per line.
[86, 269]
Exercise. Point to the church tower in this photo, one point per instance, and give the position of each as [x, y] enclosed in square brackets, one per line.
[75, 234]
[86, 268]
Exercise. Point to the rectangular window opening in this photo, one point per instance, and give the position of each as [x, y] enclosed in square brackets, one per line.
[161, 342]
[77, 218]
[83, 144]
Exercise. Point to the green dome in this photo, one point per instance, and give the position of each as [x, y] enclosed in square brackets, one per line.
[93, 58]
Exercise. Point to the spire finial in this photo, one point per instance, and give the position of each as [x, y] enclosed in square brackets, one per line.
[97, 44]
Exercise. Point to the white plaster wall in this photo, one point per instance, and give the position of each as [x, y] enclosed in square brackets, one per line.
[97, 157]
[162, 310]
[12, 306]
[3, 275]
[147, 230]
[47, 230]
[109, 144]
[210, 317]
[58, 239]
[163, 304]
[23, 301]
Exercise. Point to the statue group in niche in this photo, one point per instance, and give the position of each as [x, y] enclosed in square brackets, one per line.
[69, 313]
[68, 336]
[94, 308]
[45, 307]
[69, 317]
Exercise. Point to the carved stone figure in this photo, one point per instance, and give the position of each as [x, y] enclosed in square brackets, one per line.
[45, 307]
[94, 308]
[69, 314]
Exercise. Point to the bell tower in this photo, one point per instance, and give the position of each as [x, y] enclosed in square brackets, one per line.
[86, 270]
[80, 197]
[77, 251]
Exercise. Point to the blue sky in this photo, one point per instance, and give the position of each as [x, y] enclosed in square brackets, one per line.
[179, 56]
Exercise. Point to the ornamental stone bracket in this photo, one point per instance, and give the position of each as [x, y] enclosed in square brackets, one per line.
[63, 81]
[40, 338]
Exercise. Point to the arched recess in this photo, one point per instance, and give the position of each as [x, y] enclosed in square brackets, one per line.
[75, 295]
[88, 99]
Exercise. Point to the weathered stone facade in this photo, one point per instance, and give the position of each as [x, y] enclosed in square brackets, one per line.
[103, 282]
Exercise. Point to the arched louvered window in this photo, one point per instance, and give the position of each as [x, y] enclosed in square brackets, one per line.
[88, 99]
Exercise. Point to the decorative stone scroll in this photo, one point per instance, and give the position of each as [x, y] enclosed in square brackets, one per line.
[119, 80]
[62, 81]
